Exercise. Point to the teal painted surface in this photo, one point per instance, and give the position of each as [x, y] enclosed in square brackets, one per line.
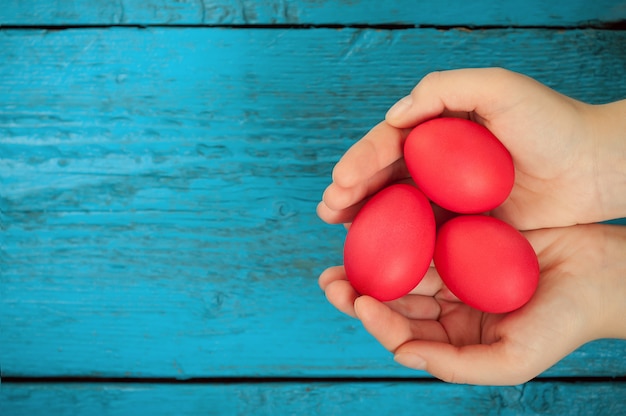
[158, 187]
[444, 12]
[324, 398]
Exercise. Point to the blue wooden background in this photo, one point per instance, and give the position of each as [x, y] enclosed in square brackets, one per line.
[160, 163]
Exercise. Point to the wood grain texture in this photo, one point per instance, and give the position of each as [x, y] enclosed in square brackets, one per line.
[324, 398]
[159, 188]
[236, 12]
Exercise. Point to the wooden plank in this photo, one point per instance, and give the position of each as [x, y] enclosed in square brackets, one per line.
[327, 398]
[236, 12]
[159, 187]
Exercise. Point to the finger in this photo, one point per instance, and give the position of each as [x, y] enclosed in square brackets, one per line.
[339, 292]
[337, 197]
[330, 275]
[431, 283]
[416, 307]
[494, 364]
[379, 148]
[342, 295]
[458, 92]
[404, 105]
[391, 328]
[332, 216]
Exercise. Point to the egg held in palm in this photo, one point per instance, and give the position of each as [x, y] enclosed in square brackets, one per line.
[459, 164]
[390, 243]
[486, 263]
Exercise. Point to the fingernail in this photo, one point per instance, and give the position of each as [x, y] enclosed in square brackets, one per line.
[400, 107]
[356, 306]
[410, 360]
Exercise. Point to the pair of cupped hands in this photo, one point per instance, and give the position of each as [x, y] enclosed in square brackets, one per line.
[570, 174]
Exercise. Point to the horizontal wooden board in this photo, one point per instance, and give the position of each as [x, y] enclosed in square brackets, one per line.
[236, 12]
[159, 188]
[317, 398]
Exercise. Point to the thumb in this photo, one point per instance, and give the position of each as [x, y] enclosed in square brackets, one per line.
[482, 364]
[455, 92]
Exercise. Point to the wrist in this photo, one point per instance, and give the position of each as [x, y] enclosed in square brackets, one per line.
[612, 281]
[609, 141]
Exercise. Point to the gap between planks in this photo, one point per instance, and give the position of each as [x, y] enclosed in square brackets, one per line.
[618, 25]
[276, 380]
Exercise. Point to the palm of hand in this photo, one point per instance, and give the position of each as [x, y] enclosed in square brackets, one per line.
[553, 180]
[464, 345]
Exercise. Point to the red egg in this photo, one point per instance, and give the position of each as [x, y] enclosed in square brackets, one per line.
[459, 164]
[486, 263]
[390, 243]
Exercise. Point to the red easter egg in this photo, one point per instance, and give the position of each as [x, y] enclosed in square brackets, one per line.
[486, 263]
[460, 165]
[390, 243]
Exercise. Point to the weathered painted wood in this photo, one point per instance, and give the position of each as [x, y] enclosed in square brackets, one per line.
[323, 398]
[448, 13]
[158, 189]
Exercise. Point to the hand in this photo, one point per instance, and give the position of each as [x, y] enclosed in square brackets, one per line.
[568, 155]
[580, 298]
